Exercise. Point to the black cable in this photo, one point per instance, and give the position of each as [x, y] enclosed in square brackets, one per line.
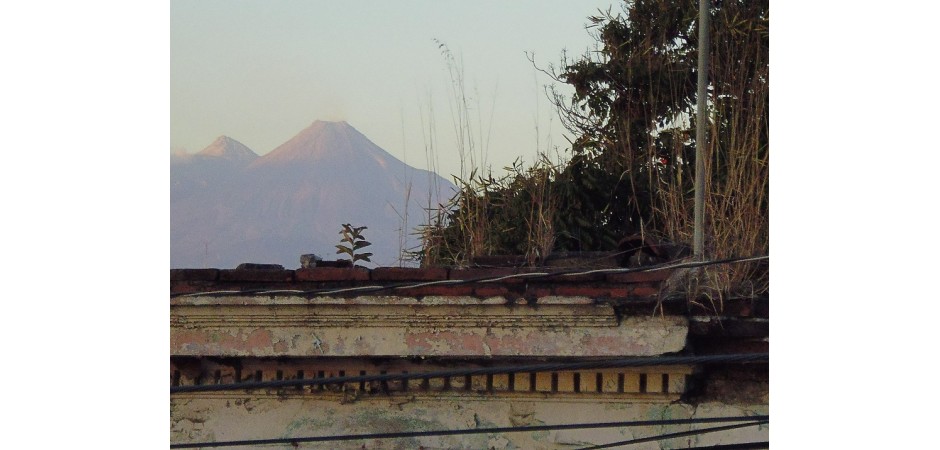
[546, 367]
[517, 429]
[532, 275]
[675, 435]
[739, 446]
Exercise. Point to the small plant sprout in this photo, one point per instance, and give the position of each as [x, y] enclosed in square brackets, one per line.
[353, 237]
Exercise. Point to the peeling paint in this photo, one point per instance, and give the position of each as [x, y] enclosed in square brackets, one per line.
[353, 329]
[317, 343]
[297, 418]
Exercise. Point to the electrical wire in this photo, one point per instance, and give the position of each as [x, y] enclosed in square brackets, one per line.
[532, 275]
[738, 446]
[544, 367]
[675, 435]
[515, 429]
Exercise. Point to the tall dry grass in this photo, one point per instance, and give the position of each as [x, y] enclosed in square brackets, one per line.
[736, 165]
[647, 148]
[509, 213]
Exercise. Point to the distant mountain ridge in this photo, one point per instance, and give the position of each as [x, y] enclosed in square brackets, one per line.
[228, 205]
[226, 147]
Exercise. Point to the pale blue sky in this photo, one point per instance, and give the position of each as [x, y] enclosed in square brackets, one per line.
[260, 71]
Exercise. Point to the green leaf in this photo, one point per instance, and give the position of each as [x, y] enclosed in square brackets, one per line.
[361, 244]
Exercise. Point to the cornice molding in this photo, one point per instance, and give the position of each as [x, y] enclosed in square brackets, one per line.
[407, 326]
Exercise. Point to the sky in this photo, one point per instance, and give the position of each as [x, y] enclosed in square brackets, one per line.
[261, 71]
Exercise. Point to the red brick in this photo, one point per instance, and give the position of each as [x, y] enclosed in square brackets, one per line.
[589, 277]
[620, 292]
[639, 277]
[256, 275]
[644, 291]
[582, 290]
[474, 273]
[408, 274]
[541, 291]
[435, 290]
[194, 274]
[490, 290]
[500, 260]
[331, 274]
[185, 288]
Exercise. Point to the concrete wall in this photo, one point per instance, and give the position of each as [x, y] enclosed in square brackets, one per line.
[231, 418]
[280, 325]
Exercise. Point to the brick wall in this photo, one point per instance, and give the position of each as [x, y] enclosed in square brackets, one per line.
[522, 284]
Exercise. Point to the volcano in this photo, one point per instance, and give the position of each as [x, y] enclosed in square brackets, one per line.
[229, 206]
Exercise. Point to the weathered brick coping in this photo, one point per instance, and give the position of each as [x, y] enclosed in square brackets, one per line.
[509, 282]
[365, 300]
[398, 274]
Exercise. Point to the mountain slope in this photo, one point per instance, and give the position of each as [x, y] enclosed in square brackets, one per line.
[228, 207]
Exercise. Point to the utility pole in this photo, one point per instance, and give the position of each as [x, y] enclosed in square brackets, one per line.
[701, 126]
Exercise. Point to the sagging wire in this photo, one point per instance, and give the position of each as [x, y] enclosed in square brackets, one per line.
[545, 367]
[737, 446]
[675, 435]
[531, 275]
[515, 429]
